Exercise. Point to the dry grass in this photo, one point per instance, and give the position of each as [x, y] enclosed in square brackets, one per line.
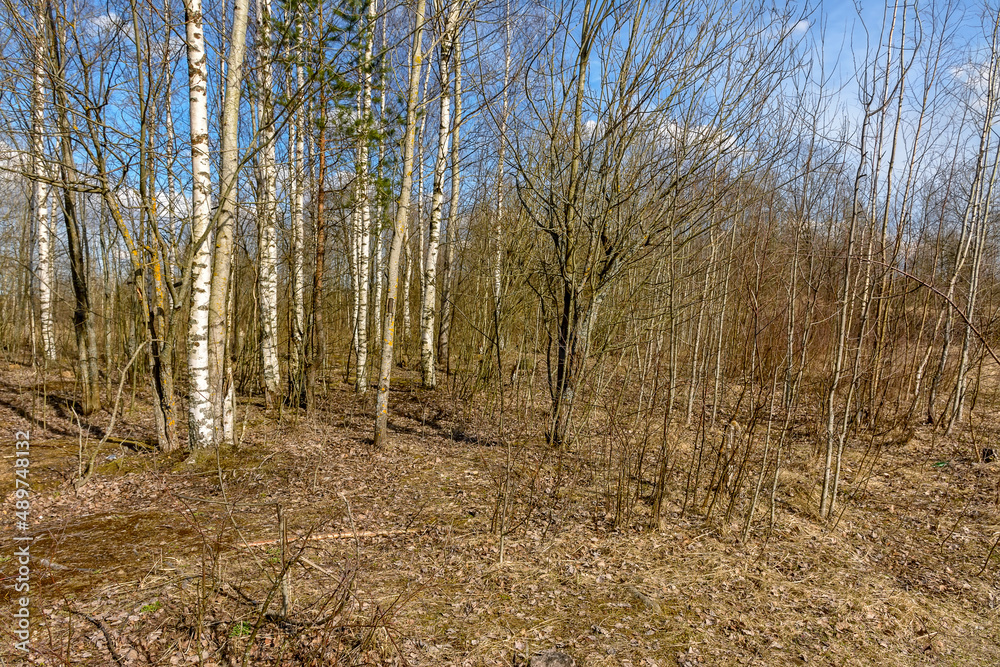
[153, 548]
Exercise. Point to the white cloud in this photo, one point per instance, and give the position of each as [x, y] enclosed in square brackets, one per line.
[976, 79]
[94, 27]
[670, 134]
[800, 28]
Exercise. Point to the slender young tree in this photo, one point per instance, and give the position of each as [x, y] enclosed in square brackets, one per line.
[201, 422]
[267, 246]
[317, 342]
[428, 309]
[363, 198]
[497, 231]
[978, 212]
[399, 229]
[88, 371]
[297, 147]
[220, 370]
[45, 268]
[451, 231]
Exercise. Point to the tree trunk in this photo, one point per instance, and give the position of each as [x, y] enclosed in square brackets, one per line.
[451, 232]
[83, 319]
[153, 291]
[317, 345]
[45, 271]
[201, 428]
[569, 321]
[266, 216]
[297, 131]
[428, 307]
[497, 231]
[222, 261]
[399, 231]
[364, 209]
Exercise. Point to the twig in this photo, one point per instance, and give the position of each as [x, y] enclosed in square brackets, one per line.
[106, 631]
[316, 567]
[226, 503]
[89, 470]
[56, 566]
[354, 529]
[285, 586]
[988, 556]
[342, 536]
[950, 302]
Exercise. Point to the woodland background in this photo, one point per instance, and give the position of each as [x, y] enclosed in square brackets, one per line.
[652, 269]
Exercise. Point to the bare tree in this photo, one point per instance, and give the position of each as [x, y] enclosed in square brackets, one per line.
[399, 229]
[83, 314]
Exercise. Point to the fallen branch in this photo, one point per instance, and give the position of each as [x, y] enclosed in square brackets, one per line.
[341, 536]
[316, 567]
[109, 636]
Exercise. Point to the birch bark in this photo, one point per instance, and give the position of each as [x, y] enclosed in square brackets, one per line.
[45, 273]
[266, 214]
[364, 206]
[222, 261]
[399, 231]
[297, 145]
[451, 232]
[428, 308]
[200, 420]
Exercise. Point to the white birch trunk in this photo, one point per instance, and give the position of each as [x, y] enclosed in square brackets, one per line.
[297, 144]
[407, 282]
[416, 258]
[40, 193]
[364, 210]
[200, 421]
[972, 213]
[497, 231]
[981, 217]
[354, 245]
[378, 274]
[428, 308]
[266, 214]
[444, 328]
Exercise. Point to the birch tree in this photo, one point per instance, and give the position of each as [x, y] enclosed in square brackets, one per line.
[399, 229]
[297, 147]
[428, 309]
[201, 422]
[978, 216]
[44, 269]
[363, 203]
[266, 212]
[451, 230]
[218, 325]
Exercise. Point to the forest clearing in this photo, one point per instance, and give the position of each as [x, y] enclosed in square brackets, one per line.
[499, 332]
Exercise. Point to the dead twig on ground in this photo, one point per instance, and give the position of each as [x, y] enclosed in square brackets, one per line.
[108, 635]
[343, 536]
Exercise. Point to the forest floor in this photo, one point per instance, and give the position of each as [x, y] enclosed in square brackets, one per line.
[160, 561]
